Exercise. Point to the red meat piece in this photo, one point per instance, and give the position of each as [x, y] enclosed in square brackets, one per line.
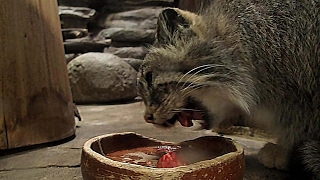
[170, 160]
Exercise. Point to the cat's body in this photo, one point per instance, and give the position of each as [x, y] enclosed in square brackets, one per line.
[261, 59]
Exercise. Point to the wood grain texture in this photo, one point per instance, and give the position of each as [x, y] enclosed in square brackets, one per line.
[3, 136]
[36, 95]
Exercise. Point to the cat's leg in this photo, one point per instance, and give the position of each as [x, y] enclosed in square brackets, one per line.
[274, 156]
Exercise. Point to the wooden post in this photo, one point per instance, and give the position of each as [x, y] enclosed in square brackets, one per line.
[35, 96]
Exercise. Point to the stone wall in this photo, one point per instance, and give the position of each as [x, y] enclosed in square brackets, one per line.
[105, 42]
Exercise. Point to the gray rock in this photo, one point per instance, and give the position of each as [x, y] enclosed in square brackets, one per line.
[127, 44]
[127, 52]
[126, 5]
[139, 2]
[139, 14]
[144, 24]
[75, 17]
[128, 35]
[101, 77]
[116, 5]
[121, 24]
[108, 33]
[145, 18]
[135, 63]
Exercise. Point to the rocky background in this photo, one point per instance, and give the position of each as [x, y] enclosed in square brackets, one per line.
[105, 42]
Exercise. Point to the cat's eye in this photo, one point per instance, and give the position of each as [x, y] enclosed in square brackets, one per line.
[149, 78]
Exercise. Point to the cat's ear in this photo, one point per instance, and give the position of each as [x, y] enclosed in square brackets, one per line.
[175, 23]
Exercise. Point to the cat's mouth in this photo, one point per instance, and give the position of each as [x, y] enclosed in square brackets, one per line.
[185, 116]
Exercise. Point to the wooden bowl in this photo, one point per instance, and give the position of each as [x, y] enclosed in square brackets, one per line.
[230, 163]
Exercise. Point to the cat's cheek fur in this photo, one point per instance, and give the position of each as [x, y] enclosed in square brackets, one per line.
[217, 102]
[161, 114]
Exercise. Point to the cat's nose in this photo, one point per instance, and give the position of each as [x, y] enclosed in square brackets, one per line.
[148, 118]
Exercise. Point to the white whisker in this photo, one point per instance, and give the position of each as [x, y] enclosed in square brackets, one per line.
[192, 89]
[203, 77]
[205, 67]
[186, 109]
[196, 80]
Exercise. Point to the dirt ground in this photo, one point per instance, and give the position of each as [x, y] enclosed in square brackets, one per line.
[61, 161]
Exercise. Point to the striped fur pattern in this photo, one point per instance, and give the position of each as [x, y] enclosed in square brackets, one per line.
[261, 58]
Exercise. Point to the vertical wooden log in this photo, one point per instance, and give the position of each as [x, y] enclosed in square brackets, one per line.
[35, 96]
[3, 134]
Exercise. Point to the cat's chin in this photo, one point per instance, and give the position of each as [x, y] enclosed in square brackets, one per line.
[169, 123]
[185, 119]
[193, 110]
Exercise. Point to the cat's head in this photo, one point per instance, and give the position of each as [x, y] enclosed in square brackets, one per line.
[161, 75]
[181, 67]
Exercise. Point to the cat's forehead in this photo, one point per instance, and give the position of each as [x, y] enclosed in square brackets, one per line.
[159, 66]
[168, 77]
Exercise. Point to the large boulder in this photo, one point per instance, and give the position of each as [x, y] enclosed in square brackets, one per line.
[100, 78]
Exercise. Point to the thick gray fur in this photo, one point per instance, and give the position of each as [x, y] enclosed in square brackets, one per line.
[260, 57]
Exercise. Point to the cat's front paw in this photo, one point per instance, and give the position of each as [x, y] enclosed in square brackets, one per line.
[273, 156]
